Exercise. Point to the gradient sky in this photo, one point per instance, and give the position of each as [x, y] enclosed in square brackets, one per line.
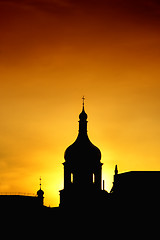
[52, 52]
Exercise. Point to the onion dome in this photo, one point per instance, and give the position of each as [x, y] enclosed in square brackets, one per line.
[82, 151]
[40, 192]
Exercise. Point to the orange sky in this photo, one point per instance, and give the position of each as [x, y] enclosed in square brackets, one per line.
[52, 52]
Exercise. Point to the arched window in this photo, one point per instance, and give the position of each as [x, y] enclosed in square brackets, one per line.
[71, 177]
[93, 178]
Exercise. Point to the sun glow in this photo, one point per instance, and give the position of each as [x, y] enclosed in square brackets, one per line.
[51, 54]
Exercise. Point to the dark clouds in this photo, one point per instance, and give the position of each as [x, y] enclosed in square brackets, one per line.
[66, 12]
[27, 26]
[142, 7]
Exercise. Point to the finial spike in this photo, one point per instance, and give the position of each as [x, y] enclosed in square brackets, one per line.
[83, 98]
[40, 182]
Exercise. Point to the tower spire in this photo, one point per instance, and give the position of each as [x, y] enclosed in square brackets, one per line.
[83, 120]
[116, 170]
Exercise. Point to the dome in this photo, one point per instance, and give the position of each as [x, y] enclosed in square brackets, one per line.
[82, 151]
[40, 192]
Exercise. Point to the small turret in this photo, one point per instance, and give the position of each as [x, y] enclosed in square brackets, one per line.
[115, 173]
[40, 194]
[116, 170]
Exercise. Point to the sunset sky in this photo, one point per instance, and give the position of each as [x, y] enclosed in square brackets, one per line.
[52, 52]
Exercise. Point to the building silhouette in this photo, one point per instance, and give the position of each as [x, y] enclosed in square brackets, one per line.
[136, 190]
[82, 171]
[21, 203]
[131, 193]
[83, 189]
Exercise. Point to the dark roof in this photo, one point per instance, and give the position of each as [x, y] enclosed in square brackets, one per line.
[137, 182]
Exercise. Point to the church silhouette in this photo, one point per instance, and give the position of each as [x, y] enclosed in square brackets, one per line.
[132, 192]
[82, 171]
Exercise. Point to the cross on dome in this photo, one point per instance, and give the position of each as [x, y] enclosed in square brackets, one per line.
[83, 115]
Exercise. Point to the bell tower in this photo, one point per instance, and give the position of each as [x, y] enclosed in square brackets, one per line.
[82, 169]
